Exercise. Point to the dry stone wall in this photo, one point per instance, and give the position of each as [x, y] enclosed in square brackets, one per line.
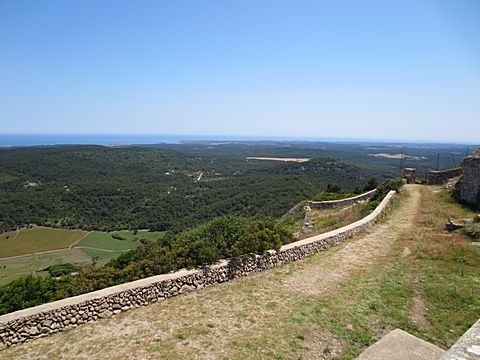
[35, 322]
[468, 188]
[333, 204]
[440, 177]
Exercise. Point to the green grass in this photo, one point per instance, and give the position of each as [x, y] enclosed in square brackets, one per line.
[102, 240]
[12, 269]
[37, 239]
[124, 241]
[29, 241]
[101, 254]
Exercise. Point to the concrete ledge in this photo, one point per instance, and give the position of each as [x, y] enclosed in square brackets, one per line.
[436, 177]
[400, 345]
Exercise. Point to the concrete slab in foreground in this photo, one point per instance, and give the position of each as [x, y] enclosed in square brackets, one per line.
[400, 345]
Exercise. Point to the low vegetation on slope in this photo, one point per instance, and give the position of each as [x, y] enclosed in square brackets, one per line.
[223, 237]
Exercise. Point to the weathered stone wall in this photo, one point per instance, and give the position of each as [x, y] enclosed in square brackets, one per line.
[440, 177]
[333, 204]
[468, 188]
[65, 314]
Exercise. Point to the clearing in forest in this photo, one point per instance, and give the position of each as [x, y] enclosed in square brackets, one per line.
[297, 160]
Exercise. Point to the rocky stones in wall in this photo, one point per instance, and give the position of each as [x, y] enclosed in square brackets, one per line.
[467, 189]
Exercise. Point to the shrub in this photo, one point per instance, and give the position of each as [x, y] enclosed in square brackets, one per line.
[117, 237]
[370, 206]
[262, 235]
[61, 269]
[371, 184]
[472, 231]
[26, 292]
[333, 188]
[384, 188]
[327, 196]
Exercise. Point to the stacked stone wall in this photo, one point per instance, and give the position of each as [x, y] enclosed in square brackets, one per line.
[28, 324]
[468, 188]
[441, 177]
[333, 204]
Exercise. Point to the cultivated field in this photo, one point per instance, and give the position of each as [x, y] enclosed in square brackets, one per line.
[37, 239]
[11, 269]
[101, 245]
[31, 251]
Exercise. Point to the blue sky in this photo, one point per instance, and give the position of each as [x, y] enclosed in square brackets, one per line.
[379, 69]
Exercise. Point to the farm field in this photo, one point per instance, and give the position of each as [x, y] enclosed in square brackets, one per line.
[37, 239]
[103, 245]
[94, 248]
[11, 269]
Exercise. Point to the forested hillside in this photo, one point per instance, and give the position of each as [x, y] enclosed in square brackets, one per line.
[108, 188]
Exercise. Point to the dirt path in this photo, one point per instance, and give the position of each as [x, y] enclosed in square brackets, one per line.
[99, 249]
[83, 237]
[359, 253]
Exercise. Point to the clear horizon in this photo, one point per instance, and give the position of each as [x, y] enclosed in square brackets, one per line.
[373, 70]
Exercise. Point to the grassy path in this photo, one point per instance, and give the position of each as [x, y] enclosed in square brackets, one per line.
[329, 306]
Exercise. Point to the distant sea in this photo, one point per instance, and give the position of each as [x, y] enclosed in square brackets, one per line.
[10, 140]
[14, 140]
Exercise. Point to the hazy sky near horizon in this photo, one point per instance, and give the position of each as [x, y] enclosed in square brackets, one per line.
[400, 69]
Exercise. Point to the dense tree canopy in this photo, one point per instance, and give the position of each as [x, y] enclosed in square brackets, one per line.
[102, 188]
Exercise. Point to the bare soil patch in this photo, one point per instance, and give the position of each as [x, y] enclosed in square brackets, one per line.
[398, 156]
[297, 160]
